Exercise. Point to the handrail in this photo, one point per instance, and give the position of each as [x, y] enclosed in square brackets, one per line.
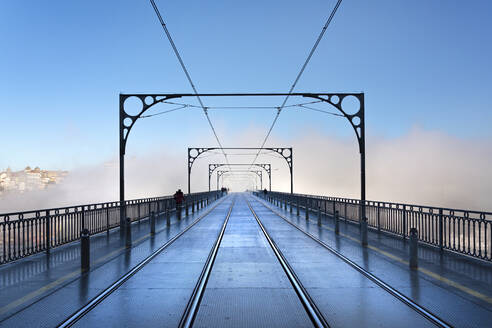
[30, 232]
[463, 231]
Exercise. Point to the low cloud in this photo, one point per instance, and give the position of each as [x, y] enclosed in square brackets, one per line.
[420, 167]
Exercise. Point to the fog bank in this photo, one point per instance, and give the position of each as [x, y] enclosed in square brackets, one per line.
[420, 167]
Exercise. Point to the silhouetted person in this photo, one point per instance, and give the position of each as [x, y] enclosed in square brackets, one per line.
[265, 191]
[179, 198]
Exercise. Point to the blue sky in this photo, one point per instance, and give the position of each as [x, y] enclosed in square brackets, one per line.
[63, 63]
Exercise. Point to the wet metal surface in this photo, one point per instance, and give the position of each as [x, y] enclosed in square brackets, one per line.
[37, 295]
[458, 308]
[247, 286]
[157, 295]
[344, 296]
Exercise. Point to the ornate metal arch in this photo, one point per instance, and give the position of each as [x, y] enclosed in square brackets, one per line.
[285, 152]
[127, 121]
[259, 173]
[267, 167]
[357, 121]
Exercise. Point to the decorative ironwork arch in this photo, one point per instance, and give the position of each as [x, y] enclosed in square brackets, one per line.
[267, 167]
[356, 120]
[285, 152]
[259, 173]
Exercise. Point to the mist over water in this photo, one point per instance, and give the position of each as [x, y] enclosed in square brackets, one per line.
[420, 167]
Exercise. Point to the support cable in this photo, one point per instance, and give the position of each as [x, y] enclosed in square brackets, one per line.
[164, 112]
[241, 107]
[313, 49]
[321, 111]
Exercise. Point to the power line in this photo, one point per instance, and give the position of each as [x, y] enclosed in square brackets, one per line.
[313, 49]
[176, 52]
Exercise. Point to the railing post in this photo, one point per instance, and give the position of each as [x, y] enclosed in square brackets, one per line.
[337, 223]
[128, 237]
[48, 232]
[319, 215]
[85, 247]
[363, 231]
[83, 217]
[290, 203]
[307, 208]
[152, 223]
[138, 210]
[298, 201]
[441, 231]
[404, 232]
[168, 216]
[345, 211]
[193, 206]
[414, 248]
[107, 219]
[379, 217]
[186, 208]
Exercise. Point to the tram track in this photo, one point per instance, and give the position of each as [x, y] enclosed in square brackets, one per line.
[427, 314]
[309, 305]
[193, 305]
[79, 314]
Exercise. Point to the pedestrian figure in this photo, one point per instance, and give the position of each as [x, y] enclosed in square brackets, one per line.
[265, 192]
[179, 198]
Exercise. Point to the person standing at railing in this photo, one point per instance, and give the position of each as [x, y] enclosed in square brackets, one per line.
[179, 198]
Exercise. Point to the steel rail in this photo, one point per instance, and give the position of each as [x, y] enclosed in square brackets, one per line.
[193, 305]
[312, 310]
[407, 301]
[71, 320]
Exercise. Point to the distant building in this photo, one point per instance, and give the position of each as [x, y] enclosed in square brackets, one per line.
[29, 179]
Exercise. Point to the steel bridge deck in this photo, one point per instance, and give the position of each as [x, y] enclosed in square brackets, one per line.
[247, 285]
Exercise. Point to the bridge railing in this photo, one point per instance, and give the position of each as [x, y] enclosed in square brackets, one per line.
[30, 232]
[462, 231]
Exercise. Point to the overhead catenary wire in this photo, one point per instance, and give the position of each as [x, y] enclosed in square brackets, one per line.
[306, 62]
[185, 70]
